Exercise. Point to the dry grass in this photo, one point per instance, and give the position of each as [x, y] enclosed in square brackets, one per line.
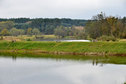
[49, 36]
[25, 37]
[10, 38]
[122, 40]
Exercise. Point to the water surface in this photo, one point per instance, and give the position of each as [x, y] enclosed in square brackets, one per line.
[59, 71]
[63, 40]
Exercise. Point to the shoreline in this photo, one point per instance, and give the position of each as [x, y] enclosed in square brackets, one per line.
[24, 51]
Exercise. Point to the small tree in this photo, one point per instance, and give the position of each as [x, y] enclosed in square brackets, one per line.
[6, 24]
[35, 31]
[21, 32]
[80, 34]
[14, 32]
[4, 32]
[60, 31]
[29, 31]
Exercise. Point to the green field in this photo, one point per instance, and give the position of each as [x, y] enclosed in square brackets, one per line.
[72, 47]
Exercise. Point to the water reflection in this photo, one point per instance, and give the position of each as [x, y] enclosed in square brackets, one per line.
[14, 58]
[17, 70]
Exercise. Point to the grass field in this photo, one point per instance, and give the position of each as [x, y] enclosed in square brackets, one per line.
[74, 47]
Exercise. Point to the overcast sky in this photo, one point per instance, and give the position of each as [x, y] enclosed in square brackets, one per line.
[76, 9]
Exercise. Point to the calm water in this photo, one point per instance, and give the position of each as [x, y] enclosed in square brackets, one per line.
[65, 40]
[59, 71]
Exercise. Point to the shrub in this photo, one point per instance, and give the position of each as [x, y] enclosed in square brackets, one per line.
[28, 39]
[107, 38]
[1, 38]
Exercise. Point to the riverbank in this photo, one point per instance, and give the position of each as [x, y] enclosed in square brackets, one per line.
[72, 48]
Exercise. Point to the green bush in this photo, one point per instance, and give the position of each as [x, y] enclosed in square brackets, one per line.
[107, 38]
[28, 39]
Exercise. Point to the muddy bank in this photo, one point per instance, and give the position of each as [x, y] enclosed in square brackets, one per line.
[22, 51]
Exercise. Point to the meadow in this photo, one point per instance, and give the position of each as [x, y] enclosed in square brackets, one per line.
[82, 48]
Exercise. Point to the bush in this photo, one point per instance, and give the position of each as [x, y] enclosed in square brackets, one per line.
[28, 39]
[107, 38]
[1, 38]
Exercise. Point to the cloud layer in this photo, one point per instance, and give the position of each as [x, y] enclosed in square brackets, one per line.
[77, 9]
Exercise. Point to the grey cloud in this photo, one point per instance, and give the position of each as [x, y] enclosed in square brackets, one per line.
[1, 1]
[82, 9]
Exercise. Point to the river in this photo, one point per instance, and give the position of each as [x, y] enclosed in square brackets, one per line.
[25, 70]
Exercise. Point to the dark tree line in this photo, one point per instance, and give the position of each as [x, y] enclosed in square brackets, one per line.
[46, 25]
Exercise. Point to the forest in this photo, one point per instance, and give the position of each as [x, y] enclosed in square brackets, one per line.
[100, 27]
[45, 26]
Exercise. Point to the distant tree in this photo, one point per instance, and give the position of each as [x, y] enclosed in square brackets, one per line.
[35, 31]
[72, 31]
[106, 26]
[124, 20]
[100, 17]
[60, 31]
[4, 32]
[93, 29]
[14, 32]
[6, 24]
[21, 32]
[29, 31]
[112, 21]
[80, 34]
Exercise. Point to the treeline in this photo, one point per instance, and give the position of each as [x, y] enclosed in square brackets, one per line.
[46, 26]
[76, 32]
[16, 32]
[102, 26]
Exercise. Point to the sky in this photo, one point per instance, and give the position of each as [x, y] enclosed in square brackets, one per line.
[75, 9]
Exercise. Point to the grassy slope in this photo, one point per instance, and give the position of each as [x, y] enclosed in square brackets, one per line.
[112, 47]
